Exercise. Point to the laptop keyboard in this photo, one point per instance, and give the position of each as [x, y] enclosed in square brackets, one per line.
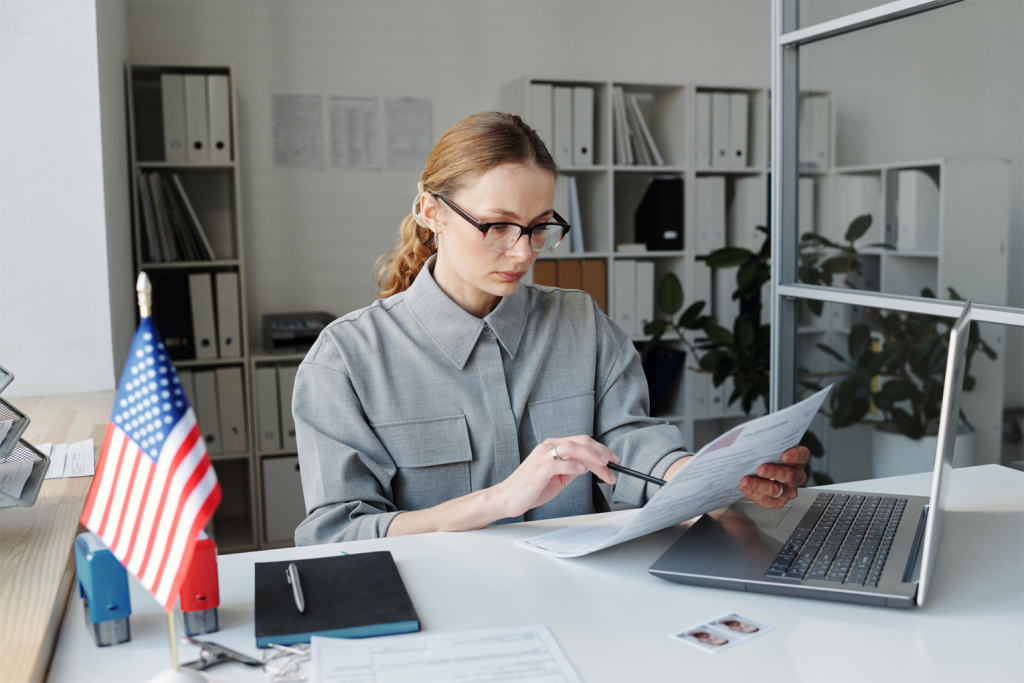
[841, 538]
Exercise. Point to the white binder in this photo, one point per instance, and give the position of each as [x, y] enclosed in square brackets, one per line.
[188, 386]
[204, 330]
[218, 100]
[231, 404]
[283, 502]
[196, 124]
[710, 214]
[917, 211]
[725, 307]
[286, 386]
[268, 415]
[575, 219]
[805, 205]
[856, 195]
[562, 126]
[207, 412]
[720, 130]
[228, 318]
[701, 393]
[583, 126]
[644, 295]
[172, 92]
[748, 210]
[625, 296]
[820, 126]
[703, 130]
[541, 113]
[562, 207]
[738, 106]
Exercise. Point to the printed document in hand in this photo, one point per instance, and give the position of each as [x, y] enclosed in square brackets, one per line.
[501, 655]
[708, 482]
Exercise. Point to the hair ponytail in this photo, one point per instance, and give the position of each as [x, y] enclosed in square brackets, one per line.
[468, 149]
[398, 268]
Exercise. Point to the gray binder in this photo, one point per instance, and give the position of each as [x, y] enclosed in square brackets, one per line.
[188, 385]
[283, 505]
[231, 402]
[200, 291]
[286, 384]
[207, 413]
[227, 315]
[269, 420]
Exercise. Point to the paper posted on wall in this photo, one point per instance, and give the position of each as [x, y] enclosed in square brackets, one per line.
[707, 482]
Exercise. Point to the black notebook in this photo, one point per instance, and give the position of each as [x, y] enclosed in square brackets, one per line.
[348, 596]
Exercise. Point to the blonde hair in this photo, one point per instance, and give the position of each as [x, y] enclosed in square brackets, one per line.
[468, 149]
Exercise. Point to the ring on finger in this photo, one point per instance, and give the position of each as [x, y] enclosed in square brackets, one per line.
[782, 489]
[554, 454]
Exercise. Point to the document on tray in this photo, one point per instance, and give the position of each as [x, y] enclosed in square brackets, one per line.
[502, 655]
[707, 482]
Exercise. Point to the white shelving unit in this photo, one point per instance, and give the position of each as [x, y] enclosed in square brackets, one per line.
[609, 195]
[971, 257]
[214, 189]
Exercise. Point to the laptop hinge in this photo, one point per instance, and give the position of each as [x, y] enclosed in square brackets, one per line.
[912, 572]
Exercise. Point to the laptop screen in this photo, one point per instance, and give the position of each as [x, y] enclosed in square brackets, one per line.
[949, 418]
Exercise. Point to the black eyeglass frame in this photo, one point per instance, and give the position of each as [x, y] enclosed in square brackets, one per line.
[523, 230]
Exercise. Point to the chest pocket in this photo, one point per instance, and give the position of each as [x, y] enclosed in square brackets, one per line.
[432, 457]
[561, 417]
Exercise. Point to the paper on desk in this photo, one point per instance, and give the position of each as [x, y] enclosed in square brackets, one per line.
[5, 426]
[80, 461]
[526, 654]
[13, 476]
[708, 482]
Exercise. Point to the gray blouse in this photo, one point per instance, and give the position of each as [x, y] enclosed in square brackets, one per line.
[412, 401]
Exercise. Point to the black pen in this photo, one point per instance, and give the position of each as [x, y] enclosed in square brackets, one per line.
[633, 473]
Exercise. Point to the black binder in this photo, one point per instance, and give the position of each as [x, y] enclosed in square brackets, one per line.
[658, 221]
[347, 596]
[172, 312]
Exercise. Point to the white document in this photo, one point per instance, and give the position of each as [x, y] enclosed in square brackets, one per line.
[13, 476]
[708, 482]
[80, 460]
[58, 456]
[527, 654]
[298, 130]
[5, 427]
[355, 132]
[408, 132]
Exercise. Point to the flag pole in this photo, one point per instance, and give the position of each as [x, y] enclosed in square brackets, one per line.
[144, 289]
[174, 640]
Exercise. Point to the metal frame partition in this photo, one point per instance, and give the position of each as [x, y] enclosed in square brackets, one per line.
[788, 37]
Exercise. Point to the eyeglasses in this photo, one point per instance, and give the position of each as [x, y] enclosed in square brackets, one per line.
[500, 237]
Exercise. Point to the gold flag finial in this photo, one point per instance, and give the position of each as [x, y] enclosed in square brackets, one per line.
[145, 291]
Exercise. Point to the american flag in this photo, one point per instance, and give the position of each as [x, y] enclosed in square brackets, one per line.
[154, 489]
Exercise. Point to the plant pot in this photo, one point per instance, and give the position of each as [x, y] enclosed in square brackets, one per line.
[893, 454]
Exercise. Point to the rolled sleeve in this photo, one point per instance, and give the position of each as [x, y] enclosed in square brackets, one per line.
[623, 423]
[346, 472]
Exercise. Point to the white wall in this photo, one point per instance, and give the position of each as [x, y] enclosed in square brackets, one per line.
[947, 83]
[55, 307]
[312, 237]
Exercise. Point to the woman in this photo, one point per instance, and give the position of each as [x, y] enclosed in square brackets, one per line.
[460, 398]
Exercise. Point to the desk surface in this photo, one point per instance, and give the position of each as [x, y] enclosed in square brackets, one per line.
[613, 619]
[36, 559]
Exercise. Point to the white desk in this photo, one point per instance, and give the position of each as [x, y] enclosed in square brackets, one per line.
[613, 619]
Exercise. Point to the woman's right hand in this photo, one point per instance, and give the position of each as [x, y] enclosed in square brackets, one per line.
[540, 477]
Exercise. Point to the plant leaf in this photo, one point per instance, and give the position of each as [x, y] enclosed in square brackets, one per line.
[656, 328]
[810, 441]
[905, 424]
[898, 390]
[690, 319]
[858, 227]
[728, 257]
[836, 264]
[859, 341]
[719, 334]
[832, 352]
[670, 294]
[743, 331]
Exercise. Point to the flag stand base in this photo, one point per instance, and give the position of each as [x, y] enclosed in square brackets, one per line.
[182, 675]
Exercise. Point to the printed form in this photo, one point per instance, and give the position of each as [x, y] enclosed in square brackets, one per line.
[706, 483]
[502, 655]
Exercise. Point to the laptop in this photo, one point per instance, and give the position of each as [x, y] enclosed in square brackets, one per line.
[844, 546]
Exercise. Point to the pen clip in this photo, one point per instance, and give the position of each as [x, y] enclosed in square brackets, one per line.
[292, 574]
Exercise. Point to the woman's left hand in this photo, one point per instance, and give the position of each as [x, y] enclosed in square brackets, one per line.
[776, 483]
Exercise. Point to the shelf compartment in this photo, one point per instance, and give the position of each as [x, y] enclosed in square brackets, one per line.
[664, 110]
[629, 192]
[233, 526]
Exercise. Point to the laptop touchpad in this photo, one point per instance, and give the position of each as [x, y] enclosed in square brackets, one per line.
[746, 513]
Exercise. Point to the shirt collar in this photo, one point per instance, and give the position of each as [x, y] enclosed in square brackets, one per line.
[453, 329]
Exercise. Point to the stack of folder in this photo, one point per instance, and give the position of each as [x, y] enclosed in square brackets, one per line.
[197, 117]
[588, 275]
[564, 119]
[198, 325]
[722, 129]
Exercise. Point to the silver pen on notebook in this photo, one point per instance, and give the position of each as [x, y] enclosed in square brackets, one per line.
[292, 574]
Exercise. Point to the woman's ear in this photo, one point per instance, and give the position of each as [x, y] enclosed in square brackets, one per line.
[431, 212]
